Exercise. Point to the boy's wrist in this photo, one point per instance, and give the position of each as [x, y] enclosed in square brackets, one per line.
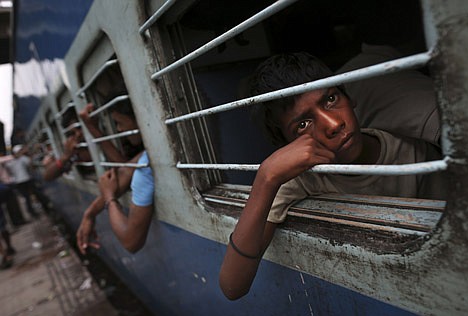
[66, 156]
[94, 130]
[266, 179]
[110, 201]
[89, 214]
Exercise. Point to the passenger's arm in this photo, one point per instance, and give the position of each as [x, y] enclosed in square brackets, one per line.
[131, 230]
[55, 169]
[111, 152]
[86, 230]
[253, 233]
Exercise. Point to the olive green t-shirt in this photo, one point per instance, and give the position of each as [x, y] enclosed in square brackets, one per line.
[393, 151]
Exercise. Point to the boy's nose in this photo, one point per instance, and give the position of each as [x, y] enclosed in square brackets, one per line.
[332, 124]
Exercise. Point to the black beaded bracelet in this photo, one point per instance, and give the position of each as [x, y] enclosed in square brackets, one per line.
[239, 251]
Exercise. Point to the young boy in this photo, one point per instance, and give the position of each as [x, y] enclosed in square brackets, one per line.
[317, 127]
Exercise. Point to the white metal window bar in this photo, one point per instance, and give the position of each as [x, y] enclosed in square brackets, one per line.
[107, 64]
[109, 104]
[67, 107]
[359, 74]
[84, 163]
[71, 126]
[124, 164]
[156, 16]
[118, 135]
[382, 170]
[262, 15]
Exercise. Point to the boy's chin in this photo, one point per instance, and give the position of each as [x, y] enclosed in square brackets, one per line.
[352, 156]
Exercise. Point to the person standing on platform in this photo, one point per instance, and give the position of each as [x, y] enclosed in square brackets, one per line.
[7, 254]
[8, 196]
[20, 170]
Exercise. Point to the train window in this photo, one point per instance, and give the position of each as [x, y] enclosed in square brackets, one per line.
[207, 53]
[69, 125]
[66, 124]
[110, 119]
[108, 94]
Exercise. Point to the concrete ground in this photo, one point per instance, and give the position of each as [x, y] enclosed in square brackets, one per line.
[47, 277]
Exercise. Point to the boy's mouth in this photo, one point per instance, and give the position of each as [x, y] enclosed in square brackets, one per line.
[346, 142]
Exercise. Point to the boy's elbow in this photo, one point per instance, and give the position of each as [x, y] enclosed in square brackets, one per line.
[133, 242]
[133, 247]
[46, 176]
[232, 293]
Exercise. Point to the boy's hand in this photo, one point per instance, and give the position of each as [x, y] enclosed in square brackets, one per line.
[85, 233]
[293, 159]
[90, 122]
[70, 146]
[109, 184]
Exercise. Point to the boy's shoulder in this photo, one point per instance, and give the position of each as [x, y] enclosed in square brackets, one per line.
[397, 149]
[390, 137]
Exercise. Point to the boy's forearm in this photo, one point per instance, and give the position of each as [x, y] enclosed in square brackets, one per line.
[249, 230]
[131, 230]
[93, 130]
[252, 236]
[120, 226]
[52, 171]
[96, 207]
[111, 152]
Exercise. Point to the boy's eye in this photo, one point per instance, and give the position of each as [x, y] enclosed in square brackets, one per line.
[303, 125]
[332, 99]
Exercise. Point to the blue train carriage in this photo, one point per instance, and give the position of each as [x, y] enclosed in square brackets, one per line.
[184, 66]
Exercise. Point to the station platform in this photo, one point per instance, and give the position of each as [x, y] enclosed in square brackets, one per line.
[47, 277]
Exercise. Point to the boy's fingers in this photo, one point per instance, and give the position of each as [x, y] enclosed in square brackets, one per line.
[95, 245]
[325, 153]
[82, 245]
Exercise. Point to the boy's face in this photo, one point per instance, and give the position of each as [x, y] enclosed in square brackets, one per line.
[327, 115]
[125, 123]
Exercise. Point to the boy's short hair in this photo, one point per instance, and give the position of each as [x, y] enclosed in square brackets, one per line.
[124, 107]
[279, 72]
